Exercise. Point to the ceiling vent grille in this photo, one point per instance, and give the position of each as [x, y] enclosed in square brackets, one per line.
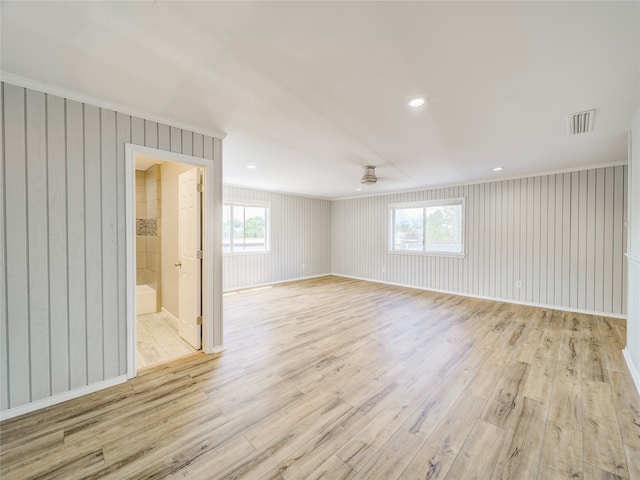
[581, 122]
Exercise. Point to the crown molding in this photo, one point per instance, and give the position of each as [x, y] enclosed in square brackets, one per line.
[36, 85]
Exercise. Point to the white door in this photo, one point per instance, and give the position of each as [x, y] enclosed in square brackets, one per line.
[189, 293]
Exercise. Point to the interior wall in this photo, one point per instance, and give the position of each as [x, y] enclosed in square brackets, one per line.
[141, 238]
[63, 320]
[153, 231]
[169, 172]
[562, 236]
[633, 315]
[300, 241]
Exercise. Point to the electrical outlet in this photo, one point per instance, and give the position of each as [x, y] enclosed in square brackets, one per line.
[384, 269]
[303, 265]
[518, 284]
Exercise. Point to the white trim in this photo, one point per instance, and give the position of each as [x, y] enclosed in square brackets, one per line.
[246, 203]
[427, 188]
[267, 284]
[495, 299]
[20, 81]
[61, 397]
[280, 192]
[424, 204]
[632, 369]
[429, 203]
[234, 202]
[169, 314]
[211, 319]
[631, 258]
[130, 249]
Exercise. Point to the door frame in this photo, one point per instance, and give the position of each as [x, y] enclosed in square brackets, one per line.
[211, 246]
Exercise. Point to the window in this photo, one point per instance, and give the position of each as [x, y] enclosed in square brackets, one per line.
[431, 227]
[245, 227]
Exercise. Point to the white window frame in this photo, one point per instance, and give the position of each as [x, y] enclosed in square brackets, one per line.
[267, 226]
[425, 204]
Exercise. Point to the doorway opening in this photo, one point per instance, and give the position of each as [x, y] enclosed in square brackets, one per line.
[168, 265]
[170, 254]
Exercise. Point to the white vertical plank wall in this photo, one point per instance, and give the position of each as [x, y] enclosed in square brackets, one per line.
[560, 235]
[63, 317]
[299, 236]
[632, 244]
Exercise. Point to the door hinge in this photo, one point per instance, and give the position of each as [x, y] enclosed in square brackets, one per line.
[199, 254]
[200, 188]
[199, 320]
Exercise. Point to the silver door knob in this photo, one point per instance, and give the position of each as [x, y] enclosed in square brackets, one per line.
[177, 264]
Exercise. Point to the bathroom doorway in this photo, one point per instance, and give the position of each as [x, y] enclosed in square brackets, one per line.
[168, 266]
[168, 270]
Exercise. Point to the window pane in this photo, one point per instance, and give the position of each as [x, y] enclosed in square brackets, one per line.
[238, 228]
[245, 228]
[226, 228]
[444, 228]
[255, 228]
[408, 229]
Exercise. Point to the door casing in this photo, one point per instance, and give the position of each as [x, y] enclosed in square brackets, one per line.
[211, 246]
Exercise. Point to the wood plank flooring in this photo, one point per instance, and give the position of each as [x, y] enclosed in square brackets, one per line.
[158, 340]
[341, 379]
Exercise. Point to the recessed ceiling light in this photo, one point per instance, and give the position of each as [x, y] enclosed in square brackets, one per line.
[497, 169]
[417, 102]
[358, 189]
[251, 165]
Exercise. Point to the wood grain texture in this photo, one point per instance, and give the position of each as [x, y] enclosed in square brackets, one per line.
[561, 236]
[336, 379]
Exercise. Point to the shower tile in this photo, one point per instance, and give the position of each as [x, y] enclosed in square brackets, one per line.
[141, 244]
[141, 195]
[151, 209]
[141, 210]
[151, 182]
[141, 226]
[152, 244]
[141, 276]
[152, 279]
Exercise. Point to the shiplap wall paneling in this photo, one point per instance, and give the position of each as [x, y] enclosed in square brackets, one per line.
[300, 235]
[16, 266]
[123, 136]
[93, 243]
[4, 359]
[76, 244]
[64, 302]
[560, 235]
[37, 248]
[57, 238]
[109, 235]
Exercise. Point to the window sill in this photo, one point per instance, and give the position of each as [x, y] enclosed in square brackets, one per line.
[233, 254]
[428, 254]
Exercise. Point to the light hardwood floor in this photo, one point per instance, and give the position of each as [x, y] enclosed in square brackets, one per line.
[158, 340]
[334, 378]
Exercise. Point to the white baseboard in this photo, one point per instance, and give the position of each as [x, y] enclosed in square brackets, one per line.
[61, 397]
[632, 368]
[495, 299]
[169, 314]
[218, 349]
[259, 285]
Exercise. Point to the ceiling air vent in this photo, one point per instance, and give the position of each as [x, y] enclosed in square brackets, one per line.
[581, 122]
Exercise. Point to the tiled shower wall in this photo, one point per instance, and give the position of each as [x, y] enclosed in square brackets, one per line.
[148, 208]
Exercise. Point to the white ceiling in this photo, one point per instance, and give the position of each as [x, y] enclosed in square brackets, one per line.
[311, 92]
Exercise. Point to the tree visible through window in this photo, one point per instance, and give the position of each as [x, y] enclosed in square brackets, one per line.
[245, 228]
[433, 227]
